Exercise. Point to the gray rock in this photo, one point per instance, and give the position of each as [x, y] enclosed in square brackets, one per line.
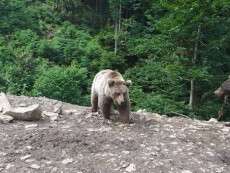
[67, 161]
[58, 108]
[68, 111]
[8, 166]
[146, 117]
[51, 115]
[5, 119]
[54, 170]
[30, 113]
[31, 126]
[25, 157]
[186, 171]
[35, 166]
[214, 120]
[131, 168]
[4, 103]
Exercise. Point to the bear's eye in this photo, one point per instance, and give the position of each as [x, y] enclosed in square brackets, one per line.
[117, 94]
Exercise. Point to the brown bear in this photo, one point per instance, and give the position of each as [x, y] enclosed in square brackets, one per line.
[223, 92]
[110, 88]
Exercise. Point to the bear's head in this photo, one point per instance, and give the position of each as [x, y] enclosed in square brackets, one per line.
[219, 92]
[119, 90]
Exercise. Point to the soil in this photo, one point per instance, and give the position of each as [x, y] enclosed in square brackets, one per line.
[79, 142]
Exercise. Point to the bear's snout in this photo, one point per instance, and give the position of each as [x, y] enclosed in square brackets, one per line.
[219, 92]
[120, 99]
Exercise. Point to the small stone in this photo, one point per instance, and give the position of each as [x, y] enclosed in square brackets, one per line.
[147, 117]
[227, 124]
[25, 157]
[102, 129]
[48, 162]
[210, 154]
[29, 160]
[66, 127]
[125, 152]
[77, 114]
[141, 111]
[95, 114]
[225, 129]
[28, 147]
[174, 143]
[31, 126]
[58, 108]
[2, 153]
[35, 166]
[214, 120]
[68, 111]
[186, 171]
[124, 164]
[142, 145]
[19, 151]
[131, 168]
[51, 115]
[8, 166]
[89, 115]
[5, 118]
[54, 170]
[219, 170]
[67, 161]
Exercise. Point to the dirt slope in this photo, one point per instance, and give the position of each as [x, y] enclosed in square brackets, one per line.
[82, 143]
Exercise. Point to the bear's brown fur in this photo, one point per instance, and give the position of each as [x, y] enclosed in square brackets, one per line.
[223, 92]
[109, 87]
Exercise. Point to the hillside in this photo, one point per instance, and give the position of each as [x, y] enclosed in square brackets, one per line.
[176, 53]
[83, 143]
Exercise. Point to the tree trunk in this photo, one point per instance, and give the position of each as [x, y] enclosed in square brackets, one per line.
[115, 37]
[117, 27]
[192, 94]
[119, 18]
[192, 85]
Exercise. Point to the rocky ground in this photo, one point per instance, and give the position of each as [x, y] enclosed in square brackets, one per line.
[78, 142]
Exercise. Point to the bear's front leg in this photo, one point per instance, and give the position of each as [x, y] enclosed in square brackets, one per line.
[124, 111]
[105, 106]
[94, 102]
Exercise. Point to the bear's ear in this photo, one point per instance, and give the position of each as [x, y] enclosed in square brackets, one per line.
[128, 82]
[111, 82]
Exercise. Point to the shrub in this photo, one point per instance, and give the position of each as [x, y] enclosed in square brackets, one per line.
[68, 84]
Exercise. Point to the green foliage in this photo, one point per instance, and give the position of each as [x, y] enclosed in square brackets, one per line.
[155, 102]
[68, 84]
[14, 16]
[67, 43]
[54, 48]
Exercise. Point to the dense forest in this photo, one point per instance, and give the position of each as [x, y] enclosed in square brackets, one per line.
[175, 52]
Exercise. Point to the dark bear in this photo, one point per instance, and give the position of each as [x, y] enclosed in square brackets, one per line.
[223, 92]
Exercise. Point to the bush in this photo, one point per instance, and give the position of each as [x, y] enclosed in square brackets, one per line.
[67, 43]
[154, 102]
[21, 76]
[68, 84]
